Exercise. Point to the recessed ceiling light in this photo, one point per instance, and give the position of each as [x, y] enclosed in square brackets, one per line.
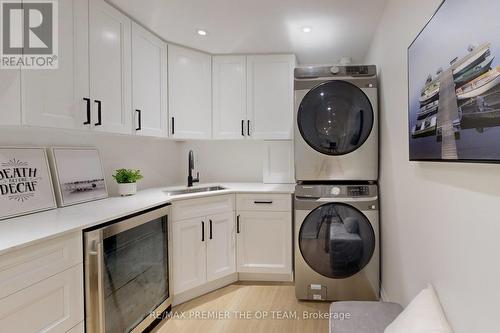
[306, 29]
[202, 32]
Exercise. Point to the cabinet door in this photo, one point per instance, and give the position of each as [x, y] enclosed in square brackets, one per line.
[189, 254]
[55, 98]
[264, 242]
[229, 97]
[10, 96]
[110, 68]
[149, 91]
[190, 93]
[270, 96]
[221, 251]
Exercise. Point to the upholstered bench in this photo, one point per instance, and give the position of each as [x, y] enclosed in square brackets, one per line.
[362, 317]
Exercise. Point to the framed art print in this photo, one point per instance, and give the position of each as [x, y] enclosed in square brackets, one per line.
[79, 176]
[25, 182]
[454, 84]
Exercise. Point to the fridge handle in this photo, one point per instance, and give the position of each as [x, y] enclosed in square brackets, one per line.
[99, 297]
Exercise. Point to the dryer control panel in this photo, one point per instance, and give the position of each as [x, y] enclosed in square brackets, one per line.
[336, 191]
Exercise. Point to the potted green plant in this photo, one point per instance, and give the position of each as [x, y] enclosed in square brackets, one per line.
[127, 181]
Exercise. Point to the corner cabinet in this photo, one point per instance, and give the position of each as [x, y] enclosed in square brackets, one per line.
[149, 83]
[203, 241]
[253, 97]
[190, 93]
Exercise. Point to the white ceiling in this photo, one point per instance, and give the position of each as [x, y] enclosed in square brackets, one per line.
[339, 27]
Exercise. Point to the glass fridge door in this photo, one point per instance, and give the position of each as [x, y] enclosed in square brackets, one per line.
[135, 274]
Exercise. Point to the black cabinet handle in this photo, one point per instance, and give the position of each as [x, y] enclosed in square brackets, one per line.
[238, 224]
[173, 125]
[263, 202]
[202, 231]
[139, 120]
[248, 127]
[88, 111]
[99, 113]
[243, 127]
[210, 229]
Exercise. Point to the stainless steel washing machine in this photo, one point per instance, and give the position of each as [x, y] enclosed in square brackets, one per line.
[336, 123]
[337, 242]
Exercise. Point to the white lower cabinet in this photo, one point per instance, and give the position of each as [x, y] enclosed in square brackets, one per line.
[221, 246]
[264, 234]
[42, 287]
[189, 253]
[53, 305]
[264, 242]
[203, 241]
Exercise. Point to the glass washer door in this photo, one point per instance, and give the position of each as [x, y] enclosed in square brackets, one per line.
[336, 240]
[335, 118]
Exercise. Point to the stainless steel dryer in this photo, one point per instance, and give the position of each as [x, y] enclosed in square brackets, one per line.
[336, 123]
[337, 242]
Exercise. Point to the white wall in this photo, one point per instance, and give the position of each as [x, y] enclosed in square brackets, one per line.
[157, 159]
[440, 221]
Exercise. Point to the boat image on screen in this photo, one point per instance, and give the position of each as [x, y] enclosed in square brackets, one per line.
[454, 86]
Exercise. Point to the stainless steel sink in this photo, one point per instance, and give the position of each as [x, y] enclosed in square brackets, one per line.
[195, 190]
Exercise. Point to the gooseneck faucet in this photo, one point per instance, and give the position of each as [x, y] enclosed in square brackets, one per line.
[192, 180]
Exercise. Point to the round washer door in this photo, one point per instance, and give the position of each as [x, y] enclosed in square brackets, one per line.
[336, 240]
[335, 118]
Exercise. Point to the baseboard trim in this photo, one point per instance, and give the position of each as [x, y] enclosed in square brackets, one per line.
[269, 277]
[204, 289]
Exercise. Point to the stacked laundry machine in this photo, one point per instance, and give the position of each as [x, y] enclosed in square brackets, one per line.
[336, 197]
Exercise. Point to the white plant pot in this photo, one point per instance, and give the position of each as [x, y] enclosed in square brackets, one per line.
[127, 189]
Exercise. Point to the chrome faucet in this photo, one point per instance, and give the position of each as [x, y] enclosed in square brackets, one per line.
[192, 180]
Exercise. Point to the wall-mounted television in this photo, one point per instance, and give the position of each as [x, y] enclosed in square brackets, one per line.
[454, 84]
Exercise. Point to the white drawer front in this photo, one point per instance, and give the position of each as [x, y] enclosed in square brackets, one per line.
[20, 269]
[186, 209]
[54, 305]
[264, 202]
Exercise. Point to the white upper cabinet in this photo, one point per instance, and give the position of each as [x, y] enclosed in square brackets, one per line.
[55, 97]
[229, 97]
[190, 93]
[10, 97]
[149, 88]
[110, 68]
[270, 96]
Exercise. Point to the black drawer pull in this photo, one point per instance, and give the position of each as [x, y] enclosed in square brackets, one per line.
[210, 229]
[99, 113]
[173, 125]
[139, 120]
[263, 202]
[87, 122]
[248, 128]
[238, 224]
[242, 128]
[202, 231]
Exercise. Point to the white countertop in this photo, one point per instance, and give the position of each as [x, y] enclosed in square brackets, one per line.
[27, 230]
